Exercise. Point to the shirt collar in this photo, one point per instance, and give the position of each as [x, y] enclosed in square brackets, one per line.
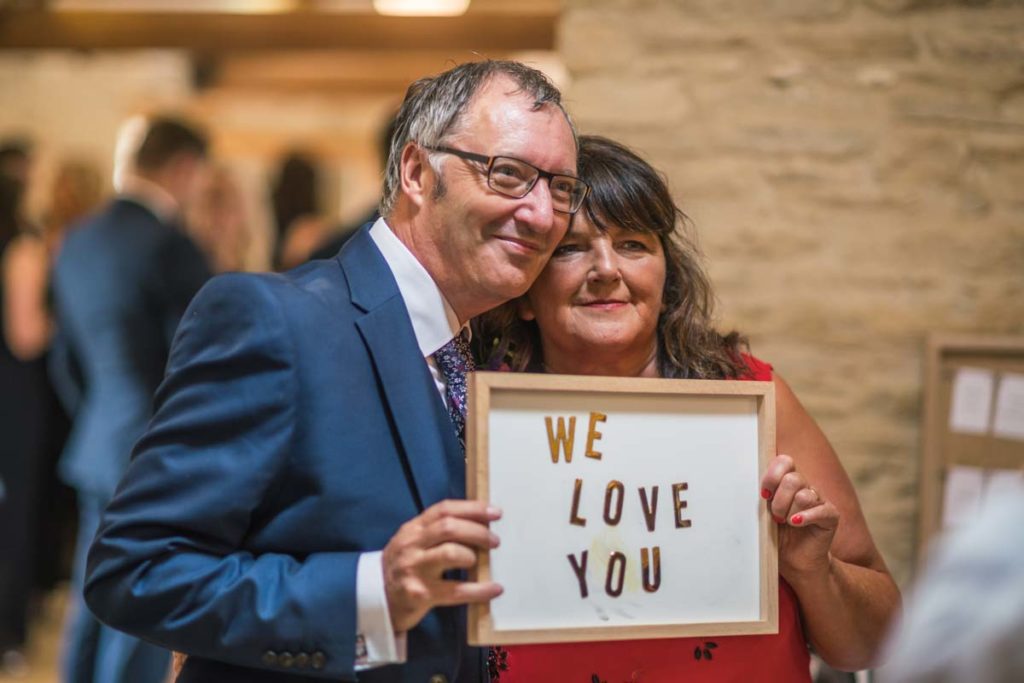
[433, 319]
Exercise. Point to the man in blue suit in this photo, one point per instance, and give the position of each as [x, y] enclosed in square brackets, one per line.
[121, 284]
[295, 510]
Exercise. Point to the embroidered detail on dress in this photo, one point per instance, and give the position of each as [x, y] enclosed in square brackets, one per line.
[497, 661]
[704, 651]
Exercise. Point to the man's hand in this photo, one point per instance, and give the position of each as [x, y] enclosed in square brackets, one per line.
[443, 537]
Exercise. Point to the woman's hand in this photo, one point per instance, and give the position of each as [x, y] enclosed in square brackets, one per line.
[807, 522]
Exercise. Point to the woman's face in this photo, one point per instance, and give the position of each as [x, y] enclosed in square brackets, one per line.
[598, 298]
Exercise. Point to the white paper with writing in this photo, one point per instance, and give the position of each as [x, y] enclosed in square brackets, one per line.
[709, 570]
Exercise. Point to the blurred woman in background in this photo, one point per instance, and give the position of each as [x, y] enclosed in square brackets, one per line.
[217, 221]
[37, 509]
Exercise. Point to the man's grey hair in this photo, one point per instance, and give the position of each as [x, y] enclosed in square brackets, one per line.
[434, 106]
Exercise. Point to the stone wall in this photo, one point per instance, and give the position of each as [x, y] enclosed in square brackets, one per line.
[855, 170]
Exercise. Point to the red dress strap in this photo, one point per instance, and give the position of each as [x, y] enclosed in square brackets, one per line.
[757, 370]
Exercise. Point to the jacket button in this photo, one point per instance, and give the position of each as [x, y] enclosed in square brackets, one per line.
[438, 678]
[286, 660]
[318, 660]
[269, 658]
[302, 660]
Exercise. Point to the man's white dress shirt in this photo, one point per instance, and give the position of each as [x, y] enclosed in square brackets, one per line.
[434, 323]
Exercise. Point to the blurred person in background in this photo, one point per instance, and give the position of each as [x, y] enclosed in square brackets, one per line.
[333, 244]
[299, 223]
[22, 386]
[217, 221]
[965, 616]
[76, 191]
[130, 135]
[121, 283]
[16, 159]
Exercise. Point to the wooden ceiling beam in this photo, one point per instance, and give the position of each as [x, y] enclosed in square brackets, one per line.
[222, 32]
[348, 71]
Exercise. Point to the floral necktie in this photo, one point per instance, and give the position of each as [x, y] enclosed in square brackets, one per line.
[454, 360]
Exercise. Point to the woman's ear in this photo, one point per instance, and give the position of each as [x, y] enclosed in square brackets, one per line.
[525, 309]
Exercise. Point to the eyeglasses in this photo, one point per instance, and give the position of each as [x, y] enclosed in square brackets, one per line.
[515, 178]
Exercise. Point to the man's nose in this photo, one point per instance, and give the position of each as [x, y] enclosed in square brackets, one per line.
[535, 209]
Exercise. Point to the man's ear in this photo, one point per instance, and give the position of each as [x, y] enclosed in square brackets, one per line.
[413, 169]
[524, 309]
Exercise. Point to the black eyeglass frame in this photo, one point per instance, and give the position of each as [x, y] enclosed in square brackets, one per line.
[489, 162]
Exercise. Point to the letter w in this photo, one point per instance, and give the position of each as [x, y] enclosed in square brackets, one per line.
[561, 439]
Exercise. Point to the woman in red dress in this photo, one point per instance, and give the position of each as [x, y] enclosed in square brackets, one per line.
[624, 294]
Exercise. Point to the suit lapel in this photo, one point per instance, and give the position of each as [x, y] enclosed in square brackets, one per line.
[429, 445]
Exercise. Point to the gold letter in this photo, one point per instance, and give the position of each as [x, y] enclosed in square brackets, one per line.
[574, 514]
[609, 518]
[651, 586]
[566, 442]
[617, 558]
[581, 571]
[651, 510]
[593, 435]
[680, 504]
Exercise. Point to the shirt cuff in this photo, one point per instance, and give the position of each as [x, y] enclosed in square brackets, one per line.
[376, 642]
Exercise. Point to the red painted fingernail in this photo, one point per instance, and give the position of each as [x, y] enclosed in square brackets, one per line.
[779, 520]
[766, 494]
[797, 519]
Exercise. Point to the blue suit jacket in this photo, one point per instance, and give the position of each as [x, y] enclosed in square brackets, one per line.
[297, 427]
[121, 284]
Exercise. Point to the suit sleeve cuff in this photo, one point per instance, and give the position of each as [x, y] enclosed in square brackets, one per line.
[376, 642]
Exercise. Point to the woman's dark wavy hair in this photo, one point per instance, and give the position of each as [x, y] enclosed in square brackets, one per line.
[626, 191]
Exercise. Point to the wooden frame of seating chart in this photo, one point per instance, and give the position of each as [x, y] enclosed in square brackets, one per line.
[631, 507]
[943, 447]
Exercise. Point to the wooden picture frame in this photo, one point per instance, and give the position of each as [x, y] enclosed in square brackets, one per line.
[700, 558]
[943, 448]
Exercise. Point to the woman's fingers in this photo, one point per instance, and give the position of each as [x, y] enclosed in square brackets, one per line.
[783, 502]
[824, 515]
[792, 500]
[779, 467]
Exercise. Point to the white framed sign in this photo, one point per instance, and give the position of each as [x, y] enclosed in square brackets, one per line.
[631, 507]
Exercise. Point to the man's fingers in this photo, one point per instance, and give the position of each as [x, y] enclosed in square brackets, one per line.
[449, 556]
[475, 510]
[458, 530]
[464, 592]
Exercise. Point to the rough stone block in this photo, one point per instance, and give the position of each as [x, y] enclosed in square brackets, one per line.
[984, 45]
[591, 40]
[770, 10]
[795, 138]
[875, 42]
[652, 101]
